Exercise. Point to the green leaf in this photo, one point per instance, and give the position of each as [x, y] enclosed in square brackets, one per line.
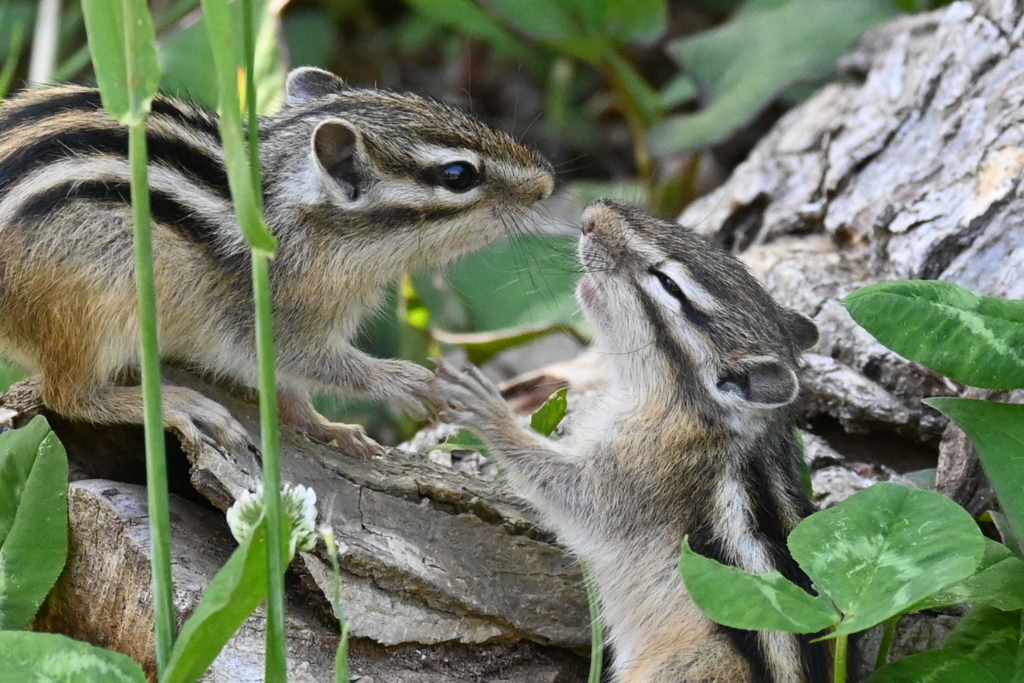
[745, 63]
[18, 31]
[971, 338]
[1006, 533]
[563, 24]
[679, 90]
[884, 549]
[526, 281]
[33, 520]
[465, 440]
[997, 430]
[186, 56]
[584, 28]
[550, 415]
[467, 17]
[998, 582]
[125, 62]
[636, 21]
[227, 59]
[234, 594]
[47, 657]
[939, 666]
[989, 637]
[736, 598]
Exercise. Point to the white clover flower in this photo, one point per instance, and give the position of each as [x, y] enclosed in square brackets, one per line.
[245, 515]
[298, 504]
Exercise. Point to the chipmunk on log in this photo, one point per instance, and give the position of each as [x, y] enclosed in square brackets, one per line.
[694, 436]
[360, 185]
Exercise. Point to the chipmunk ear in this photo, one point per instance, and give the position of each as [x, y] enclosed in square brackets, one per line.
[309, 83]
[803, 329]
[336, 145]
[765, 381]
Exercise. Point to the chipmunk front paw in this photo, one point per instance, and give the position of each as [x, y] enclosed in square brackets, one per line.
[466, 397]
[411, 387]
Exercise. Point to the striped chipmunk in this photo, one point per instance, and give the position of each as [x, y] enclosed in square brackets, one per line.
[694, 435]
[360, 185]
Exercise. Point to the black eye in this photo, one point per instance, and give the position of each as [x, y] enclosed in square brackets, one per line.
[669, 286]
[696, 317]
[459, 176]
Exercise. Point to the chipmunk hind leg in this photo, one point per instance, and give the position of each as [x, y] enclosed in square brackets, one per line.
[296, 408]
[84, 351]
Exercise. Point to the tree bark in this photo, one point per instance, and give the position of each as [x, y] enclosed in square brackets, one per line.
[430, 556]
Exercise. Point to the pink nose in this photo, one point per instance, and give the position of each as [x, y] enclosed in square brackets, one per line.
[588, 227]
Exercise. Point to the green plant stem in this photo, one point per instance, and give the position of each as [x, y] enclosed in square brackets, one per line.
[156, 459]
[276, 662]
[277, 657]
[840, 670]
[596, 627]
[887, 637]
[638, 128]
[249, 43]
[341, 658]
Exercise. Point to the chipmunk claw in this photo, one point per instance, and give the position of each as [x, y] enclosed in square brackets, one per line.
[350, 439]
[467, 397]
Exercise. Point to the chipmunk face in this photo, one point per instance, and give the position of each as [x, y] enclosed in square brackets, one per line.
[371, 158]
[658, 292]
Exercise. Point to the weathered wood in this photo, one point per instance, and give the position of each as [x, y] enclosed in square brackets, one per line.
[104, 597]
[430, 555]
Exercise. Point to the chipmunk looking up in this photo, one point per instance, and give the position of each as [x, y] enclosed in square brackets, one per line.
[360, 185]
[693, 436]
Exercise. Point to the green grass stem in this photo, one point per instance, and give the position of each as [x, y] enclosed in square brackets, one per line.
[341, 656]
[887, 637]
[840, 670]
[249, 43]
[596, 627]
[276, 662]
[156, 458]
[245, 193]
[136, 47]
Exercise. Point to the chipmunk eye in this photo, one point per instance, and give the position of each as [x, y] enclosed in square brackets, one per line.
[668, 284]
[459, 176]
[695, 316]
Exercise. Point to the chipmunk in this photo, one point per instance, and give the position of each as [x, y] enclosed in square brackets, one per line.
[360, 185]
[693, 436]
